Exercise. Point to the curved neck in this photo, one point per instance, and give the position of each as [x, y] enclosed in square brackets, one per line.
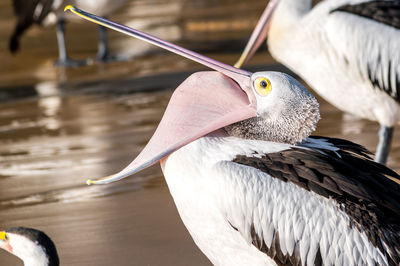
[286, 20]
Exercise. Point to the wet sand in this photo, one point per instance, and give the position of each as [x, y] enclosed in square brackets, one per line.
[59, 127]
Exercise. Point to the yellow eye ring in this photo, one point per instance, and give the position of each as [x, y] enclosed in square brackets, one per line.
[262, 86]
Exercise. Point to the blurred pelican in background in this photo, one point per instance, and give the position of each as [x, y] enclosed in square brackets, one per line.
[346, 50]
[48, 12]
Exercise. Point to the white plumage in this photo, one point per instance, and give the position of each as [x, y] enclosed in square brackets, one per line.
[28, 251]
[333, 51]
[213, 195]
[352, 61]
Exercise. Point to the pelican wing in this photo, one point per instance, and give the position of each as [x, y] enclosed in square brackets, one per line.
[305, 204]
[366, 36]
[387, 12]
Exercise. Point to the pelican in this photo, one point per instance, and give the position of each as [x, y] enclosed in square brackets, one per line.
[250, 183]
[354, 43]
[32, 246]
[47, 12]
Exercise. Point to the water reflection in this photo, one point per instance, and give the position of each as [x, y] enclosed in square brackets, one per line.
[50, 107]
[81, 192]
[352, 125]
[76, 124]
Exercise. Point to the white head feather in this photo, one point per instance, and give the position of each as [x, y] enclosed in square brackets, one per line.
[289, 113]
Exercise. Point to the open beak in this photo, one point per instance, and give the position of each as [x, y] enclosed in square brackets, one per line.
[259, 34]
[203, 103]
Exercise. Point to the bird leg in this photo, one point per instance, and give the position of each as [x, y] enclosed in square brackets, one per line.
[102, 50]
[103, 54]
[62, 50]
[385, 139]
[61, 40]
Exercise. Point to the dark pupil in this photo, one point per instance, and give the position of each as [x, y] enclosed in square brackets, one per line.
[263, 84]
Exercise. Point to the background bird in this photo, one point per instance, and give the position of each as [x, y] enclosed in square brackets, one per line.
[251, 185]
[32, 246]
[47, 12]
[346, 50]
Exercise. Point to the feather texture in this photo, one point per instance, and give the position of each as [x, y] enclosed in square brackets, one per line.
[387, 12]
[360, 187]
[290, 203]
[355, 59]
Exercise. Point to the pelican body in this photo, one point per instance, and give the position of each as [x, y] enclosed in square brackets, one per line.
[32, 246]
[241, 208]
[252, 186]
[354, 43]
[48, 12]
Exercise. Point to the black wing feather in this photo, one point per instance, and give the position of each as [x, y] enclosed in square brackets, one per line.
[387, 12]
[349, 176]
[382, 69]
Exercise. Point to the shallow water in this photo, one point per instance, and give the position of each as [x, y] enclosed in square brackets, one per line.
[59, 127]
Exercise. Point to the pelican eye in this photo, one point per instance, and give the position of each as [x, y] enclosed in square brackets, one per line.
[262, 86]
[3, 236]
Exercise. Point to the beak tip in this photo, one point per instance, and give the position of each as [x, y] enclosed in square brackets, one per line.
[238, 64]
[68, 7]
[102, 180]
[90, 182]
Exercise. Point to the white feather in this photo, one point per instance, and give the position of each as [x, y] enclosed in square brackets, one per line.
[29, 252]
[332, 51]
[211, 192]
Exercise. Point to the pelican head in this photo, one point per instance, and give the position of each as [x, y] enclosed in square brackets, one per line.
[286, 111]
[32, 246]
[266, 105]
